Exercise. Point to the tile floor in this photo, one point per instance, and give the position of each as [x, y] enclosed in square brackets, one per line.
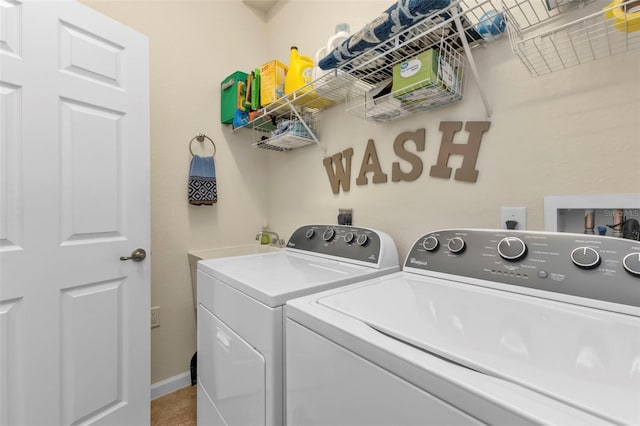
[175, 409]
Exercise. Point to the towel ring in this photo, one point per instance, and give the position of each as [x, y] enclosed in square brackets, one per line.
[200, 137]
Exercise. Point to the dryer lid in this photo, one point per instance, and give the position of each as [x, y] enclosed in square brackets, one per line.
[584, 357]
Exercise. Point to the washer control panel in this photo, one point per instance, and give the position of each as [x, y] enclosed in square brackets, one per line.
[348, 242]
[591, 266]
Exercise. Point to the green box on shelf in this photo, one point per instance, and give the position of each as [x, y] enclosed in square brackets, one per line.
[415, 78]
[229, 96]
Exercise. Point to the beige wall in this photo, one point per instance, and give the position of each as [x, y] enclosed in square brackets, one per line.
[572, 132]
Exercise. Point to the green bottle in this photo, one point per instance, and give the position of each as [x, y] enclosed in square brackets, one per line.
[255, 90]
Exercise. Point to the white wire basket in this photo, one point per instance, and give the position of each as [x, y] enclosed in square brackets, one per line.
[289, 132]
[599, 33]
[527, 14]
[384, 102]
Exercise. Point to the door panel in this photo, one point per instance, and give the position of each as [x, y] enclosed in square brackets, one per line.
[92, 182]
[88, 55]
[11, 220]
[12, 312]
[92, 330]
[11, 29]
[11, 362]
[74, 170]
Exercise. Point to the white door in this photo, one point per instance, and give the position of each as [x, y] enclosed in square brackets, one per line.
[74, 197]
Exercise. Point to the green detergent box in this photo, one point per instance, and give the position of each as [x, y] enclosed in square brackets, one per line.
[229, 96]
[415, 78]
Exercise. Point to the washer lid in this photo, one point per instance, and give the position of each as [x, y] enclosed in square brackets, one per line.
[274, 278]
[584, 357]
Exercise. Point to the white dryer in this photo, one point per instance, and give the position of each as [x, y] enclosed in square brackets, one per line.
[241, 315]
[481, 327]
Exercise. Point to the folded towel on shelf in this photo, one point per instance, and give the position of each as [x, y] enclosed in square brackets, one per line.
[202, 181]
[397, 18]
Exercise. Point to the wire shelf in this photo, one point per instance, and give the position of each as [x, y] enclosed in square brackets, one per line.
[289, 133]
[597, 35]
[526, 14]
[376, 64]
[283, 143]
[481, 21]
[476, 21]
[428, 94]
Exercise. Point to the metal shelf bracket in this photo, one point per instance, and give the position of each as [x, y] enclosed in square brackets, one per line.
[472, 64]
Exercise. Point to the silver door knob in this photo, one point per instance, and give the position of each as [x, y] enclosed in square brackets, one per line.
[137, 255]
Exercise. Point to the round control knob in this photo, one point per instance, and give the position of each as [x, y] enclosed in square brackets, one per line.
[456, 245]
[631, 263]
[348, 237]
[362, 240]
[310, 233]
[512, 248]
[430, 243]
[329, 234]
[585, 257]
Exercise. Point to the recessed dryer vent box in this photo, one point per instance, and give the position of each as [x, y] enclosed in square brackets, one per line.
[566, 213]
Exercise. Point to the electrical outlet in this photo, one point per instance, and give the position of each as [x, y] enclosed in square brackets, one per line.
[518, 214]
[345, 216]
[155, 316]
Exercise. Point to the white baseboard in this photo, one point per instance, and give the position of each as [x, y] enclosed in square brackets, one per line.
[171, 384]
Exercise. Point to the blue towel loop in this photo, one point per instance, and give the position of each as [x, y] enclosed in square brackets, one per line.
[200, 137]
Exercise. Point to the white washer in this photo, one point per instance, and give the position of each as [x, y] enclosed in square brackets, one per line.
[241, 315]
[481, 326]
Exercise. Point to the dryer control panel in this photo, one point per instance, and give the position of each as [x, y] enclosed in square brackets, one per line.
[345, 242]
[591, 266]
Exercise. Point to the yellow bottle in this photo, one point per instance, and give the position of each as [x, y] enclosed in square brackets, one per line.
[622, 20]
[296, 76]
[299, 75]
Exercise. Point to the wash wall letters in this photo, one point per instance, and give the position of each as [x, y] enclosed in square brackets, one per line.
[339, 171]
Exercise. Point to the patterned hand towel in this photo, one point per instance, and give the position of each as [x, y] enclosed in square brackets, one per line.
[202, 181]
